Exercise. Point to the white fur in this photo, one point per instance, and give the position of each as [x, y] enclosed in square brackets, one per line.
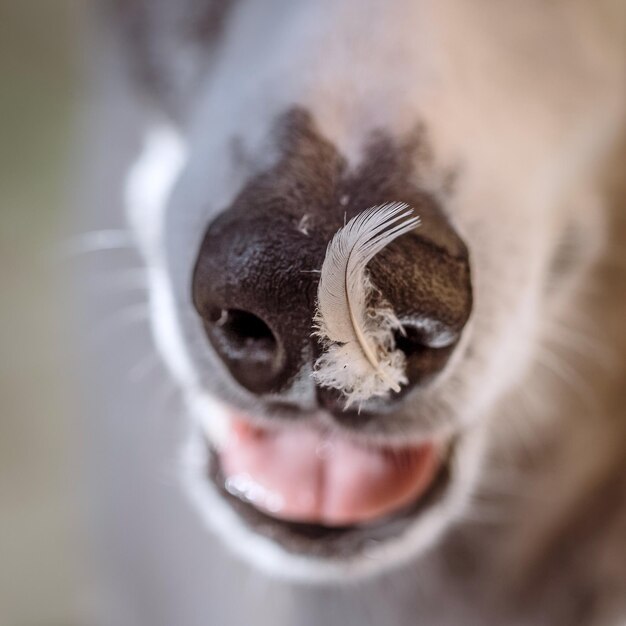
[150, 181]
[521, 98]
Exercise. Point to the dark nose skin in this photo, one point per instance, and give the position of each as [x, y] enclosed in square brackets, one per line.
[257, 271]
[255, 287]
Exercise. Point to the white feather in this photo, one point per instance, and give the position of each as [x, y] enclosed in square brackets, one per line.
[360, 358]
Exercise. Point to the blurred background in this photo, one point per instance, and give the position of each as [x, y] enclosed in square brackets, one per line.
[95, 529]
[44, 570]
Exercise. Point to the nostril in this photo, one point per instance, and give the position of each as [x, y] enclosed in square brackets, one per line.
[408, 341]
[421, 335]
[427, 346]
[243, 334]
[247, 346]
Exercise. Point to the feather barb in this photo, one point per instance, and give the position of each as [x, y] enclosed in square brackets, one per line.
[360, 357]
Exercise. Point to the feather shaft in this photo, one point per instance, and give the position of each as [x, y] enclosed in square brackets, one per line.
[360, 357]
[361, 338]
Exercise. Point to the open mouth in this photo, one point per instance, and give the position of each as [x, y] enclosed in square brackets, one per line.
[322, 493]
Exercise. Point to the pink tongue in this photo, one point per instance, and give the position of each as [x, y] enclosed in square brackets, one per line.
[300, 475]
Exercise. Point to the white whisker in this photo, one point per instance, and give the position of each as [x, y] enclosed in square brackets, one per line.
[98, 241]
[168, 392]
[582, 343]
[135, 279]
[143, 367]
[569, 375]
[122, 319]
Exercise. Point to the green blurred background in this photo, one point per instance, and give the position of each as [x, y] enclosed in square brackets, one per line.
[43, 561]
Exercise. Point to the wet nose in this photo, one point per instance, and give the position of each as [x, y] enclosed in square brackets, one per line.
[255, 286]
[254, 289]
